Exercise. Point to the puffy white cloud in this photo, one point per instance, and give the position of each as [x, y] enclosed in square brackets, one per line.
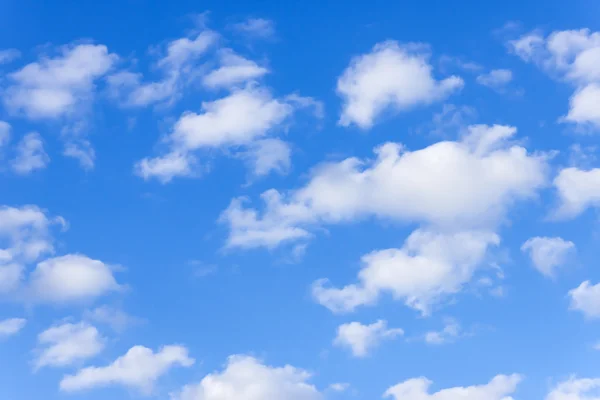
[429, 267]
[391, 77]
[12, 326]
[242, 119]
[548, 253]
[501, 387]
[362, 339]
[459, 185]
[578, 190]
[9, 55]
[575, 389]
[495, 79]
[30, 154]
[586, 298]
[58, 86]
[267, 155]
[451, 331]
[571, 55]
[139, 369]
[246, 378]
[178, 65]
[233, 71]
[71, 278]
[67, 344]
[256, 27]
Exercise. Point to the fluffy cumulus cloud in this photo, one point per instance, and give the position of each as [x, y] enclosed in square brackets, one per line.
[578, 190]
[12, 326]
[586, 299]
[362, 339]
[58, 86]
[500, 387]
[246, 378]
[138, 369]
[71, 278]
[575, 389]
[495, 79]
[391, 77]
[233, 70]
[30, 154]
[66, 344]
[548, 253]
[573, 56]
[459, 185]
[242, 119]
[429, 267]
[178, 66]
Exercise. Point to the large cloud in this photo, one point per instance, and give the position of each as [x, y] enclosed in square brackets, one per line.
[246, 378]
[575, 389]
[391, 76]
[464, 184]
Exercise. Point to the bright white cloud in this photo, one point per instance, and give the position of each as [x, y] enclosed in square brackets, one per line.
[256, 27]
[495, 79]
[548, 253]
[571, 55]
[391, 77]
[30, 154]
[362, 339]
[240, 119]
[429, 267]
[12, 326]
[500, 387]
[458, 185]
[67, 344]
[58, 86]
[139, 369]
[586, 299]
[451, 331]
[71, 278]
[246, 378]
[233, 70]
[577, 190]
[575, 389]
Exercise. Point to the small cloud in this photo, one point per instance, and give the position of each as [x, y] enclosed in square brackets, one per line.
[496, 79]
[256, 27]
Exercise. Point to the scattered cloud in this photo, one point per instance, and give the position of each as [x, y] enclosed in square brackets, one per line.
[12, 326]
[256, 28]
[496, 79]
[452, 331]
[362, 339]
[548, 253]
[578, 190]
[9, 55]
[246, 378]
[233, 71]
[575, 389]
[117, 319]
[138, 369]
[30, 155]
[67, 344]
[391, 77]
[586, 299]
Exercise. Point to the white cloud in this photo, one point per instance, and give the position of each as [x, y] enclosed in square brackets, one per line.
[238, 120]
[178, 65]
[339, 387]
[139, 369]
[586, 298]
[501, 387]
[58, 86]
[4, 133]
[392, 77]
[67, 344]
[578, 190]
[267, 155]
[256, 27]
[496, 79]
[548, 253]
[575, 389]
[362, 339]
[30, 154]
[246, 378]
[458, 185]
[429, 267]
[71, 278]
[451, 331]
[12, 326]
[234, 70]
[571, 55]
[9, 55]
[117, 319]
[81, 150]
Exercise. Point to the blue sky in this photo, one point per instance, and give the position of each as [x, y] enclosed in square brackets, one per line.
[299, 200]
